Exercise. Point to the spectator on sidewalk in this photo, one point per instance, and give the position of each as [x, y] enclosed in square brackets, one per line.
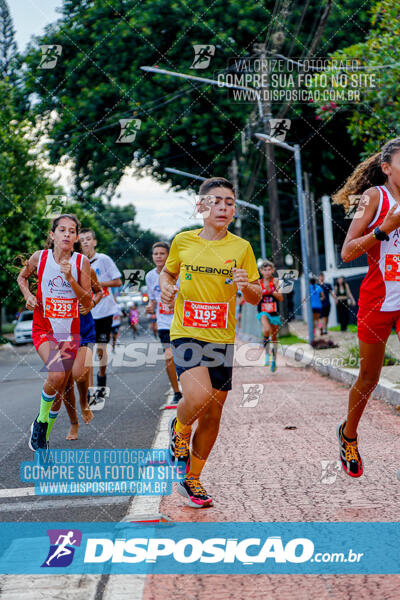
[326, 304]
[344, 298]
[316, 296]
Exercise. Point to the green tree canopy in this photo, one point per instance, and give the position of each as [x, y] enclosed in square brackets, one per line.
[97, 81]
[375, 118]
[24, 185]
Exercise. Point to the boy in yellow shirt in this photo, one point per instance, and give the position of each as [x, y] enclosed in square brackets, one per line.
[213, 264]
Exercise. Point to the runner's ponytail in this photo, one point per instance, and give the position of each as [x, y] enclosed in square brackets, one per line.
[20, 262]
[368, 174]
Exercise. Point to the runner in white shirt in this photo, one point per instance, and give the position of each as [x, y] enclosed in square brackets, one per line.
[108, 276]
[164, 313]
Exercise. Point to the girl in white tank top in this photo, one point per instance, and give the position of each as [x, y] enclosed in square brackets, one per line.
[63, 283]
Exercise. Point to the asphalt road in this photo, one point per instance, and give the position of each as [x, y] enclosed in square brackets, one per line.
[138, 383]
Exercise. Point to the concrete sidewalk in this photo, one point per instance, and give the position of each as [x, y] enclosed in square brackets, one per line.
[345, 340]
[279, 449]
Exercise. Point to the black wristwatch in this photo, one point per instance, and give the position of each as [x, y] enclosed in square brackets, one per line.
[380, 235]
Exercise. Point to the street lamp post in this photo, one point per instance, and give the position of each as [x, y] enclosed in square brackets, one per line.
[260, 107]
[259, 209]
[300, 199]
[212, 82]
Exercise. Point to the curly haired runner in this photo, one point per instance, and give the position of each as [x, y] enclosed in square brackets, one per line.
[213, 264]
[374, 230]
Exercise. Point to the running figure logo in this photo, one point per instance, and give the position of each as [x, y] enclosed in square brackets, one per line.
[329, 471]
[251, 394]
[129, 129]
[357, 206]
[62, 547]
[61, 356]
[202, 56]
[133, 277]
[55, 205]
[287, 277]
[279, 128]
[50, 56]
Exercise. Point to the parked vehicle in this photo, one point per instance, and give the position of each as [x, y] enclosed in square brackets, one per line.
[23, 328]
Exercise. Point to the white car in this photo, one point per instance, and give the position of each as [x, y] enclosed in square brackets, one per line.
[23, 328]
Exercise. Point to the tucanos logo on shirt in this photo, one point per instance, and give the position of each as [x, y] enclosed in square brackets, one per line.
[58, 283]
[227, 272]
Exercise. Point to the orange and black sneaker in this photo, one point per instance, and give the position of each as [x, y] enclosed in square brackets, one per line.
[178, 445]
[191, 489]
[349, 454]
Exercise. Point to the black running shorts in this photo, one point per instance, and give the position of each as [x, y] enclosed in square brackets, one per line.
[218, 358]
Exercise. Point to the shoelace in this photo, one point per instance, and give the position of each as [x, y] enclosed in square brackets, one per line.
[351, 452]
[196, 487]
[181, 447]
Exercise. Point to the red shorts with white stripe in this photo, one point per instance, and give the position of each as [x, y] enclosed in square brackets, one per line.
[63, 348]
[374, 326]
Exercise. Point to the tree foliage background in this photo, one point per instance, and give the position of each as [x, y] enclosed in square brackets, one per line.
[198, 128]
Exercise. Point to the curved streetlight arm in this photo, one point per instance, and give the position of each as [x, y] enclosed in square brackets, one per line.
[210, 81]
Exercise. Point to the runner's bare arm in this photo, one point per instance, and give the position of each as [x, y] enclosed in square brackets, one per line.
[82, 288]
[96, 287]
[151, 307]
[112, 283]
[22, 280]
[167, 283]
[349, 294]
[252, 291]
[356, 243]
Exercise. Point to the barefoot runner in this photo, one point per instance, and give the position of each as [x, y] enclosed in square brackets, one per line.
[213, 264]
[82, 364]
[63, 282]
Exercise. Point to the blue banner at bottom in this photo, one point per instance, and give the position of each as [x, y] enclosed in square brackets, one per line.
[200, 548]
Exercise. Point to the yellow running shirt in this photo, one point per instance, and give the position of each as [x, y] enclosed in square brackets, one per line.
[205, 305]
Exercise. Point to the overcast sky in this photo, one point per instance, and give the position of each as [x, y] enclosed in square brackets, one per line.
[157, 208]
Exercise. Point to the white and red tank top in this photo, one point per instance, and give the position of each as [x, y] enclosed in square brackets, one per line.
[58, 307]
[380, 289]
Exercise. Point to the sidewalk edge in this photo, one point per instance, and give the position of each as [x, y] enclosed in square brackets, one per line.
[385, 390]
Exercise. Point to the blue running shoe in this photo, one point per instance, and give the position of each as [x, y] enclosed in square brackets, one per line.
[37, 441]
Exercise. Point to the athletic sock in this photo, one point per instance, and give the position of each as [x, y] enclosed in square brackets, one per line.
[266, 343]
[52, 419]
[101, 380]
[182, 430]
[196, 467]
[45, 406]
